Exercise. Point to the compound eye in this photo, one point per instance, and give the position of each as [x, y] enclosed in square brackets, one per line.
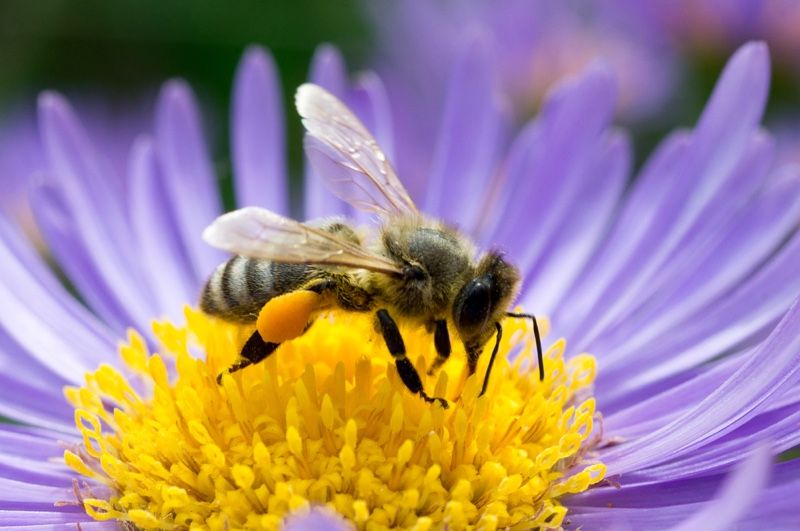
[473, 307]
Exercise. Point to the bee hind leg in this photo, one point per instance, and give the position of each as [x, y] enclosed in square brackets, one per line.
[441, 340]
[253, 351]
[397, 348]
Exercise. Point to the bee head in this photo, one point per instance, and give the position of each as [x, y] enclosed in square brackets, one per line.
[484, 299]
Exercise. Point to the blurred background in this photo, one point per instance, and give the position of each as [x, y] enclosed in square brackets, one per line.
[110, 58]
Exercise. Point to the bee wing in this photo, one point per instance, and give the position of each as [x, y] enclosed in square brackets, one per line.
[348, 157]
[260, 233]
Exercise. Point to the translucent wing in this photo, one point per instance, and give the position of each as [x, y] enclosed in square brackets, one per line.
[259, 233]
[348, 157]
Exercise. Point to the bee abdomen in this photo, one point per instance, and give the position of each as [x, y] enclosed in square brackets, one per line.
[241, 286]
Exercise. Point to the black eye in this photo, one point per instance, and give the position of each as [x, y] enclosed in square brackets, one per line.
[472, 307]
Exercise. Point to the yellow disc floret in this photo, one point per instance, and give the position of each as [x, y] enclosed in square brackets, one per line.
[326, 421]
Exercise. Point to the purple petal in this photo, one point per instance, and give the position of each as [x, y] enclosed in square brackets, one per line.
[368, 99]
[188, 174]
[733, 403]
[737, 494]
[581, 226]
[83, 189]
[716, 269]
[25, 403]
[327, 71]
[257, 134]
[675, 505]
[162, 252]
[699, 274]
[87, 273]
[716, 147]
[748, 313]
[468, 144]
[777, 425]
[56, 331]
[316, 519]
[50, 520]
[546, 167]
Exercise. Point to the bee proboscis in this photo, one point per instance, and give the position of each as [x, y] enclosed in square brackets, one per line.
[418, 269]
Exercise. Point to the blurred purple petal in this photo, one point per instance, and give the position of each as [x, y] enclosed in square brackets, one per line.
[329, 72]
[187, 171]
[316, 519]
[545, 165]
[257, 134]
[468, 144]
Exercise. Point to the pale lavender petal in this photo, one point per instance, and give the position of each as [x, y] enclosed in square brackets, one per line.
[57, 225]
[163, 253]
[468, 145]
[84, 189]
[258, 144]
[716, 147]
[748, 313]
[368, 99]
[21, 401]
[719, 266]
[81, 171]
[738, 493]
[738, 399]
[327, 71]
[316, 519]
[636, 492]
[684, 503]
[777, 425]
[187, 171]
[581, 227]
[545, 166]
[633, 229]
[691, 281]
[51, 520]
[56, 331]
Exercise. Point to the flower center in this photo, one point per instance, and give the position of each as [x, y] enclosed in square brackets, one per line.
[327, 421]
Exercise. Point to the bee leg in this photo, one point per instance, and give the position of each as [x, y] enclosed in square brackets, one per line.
[498, 337]
[535, 335]
[397, 348]
[253, 351]
[441, 339]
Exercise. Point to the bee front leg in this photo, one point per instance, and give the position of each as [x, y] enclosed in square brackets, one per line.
[397, 348]
[253, 351]
[441, 340]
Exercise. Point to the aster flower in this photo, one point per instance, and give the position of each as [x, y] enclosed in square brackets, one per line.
[694, 261]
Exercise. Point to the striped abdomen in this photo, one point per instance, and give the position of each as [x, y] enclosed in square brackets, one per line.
[240, 287]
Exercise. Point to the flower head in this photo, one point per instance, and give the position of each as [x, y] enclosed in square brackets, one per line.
[696, 259]
[328, 422]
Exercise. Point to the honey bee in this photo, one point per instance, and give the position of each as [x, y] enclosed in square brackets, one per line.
[418, 269]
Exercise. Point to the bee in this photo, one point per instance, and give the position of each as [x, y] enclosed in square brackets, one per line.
[417, 269]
